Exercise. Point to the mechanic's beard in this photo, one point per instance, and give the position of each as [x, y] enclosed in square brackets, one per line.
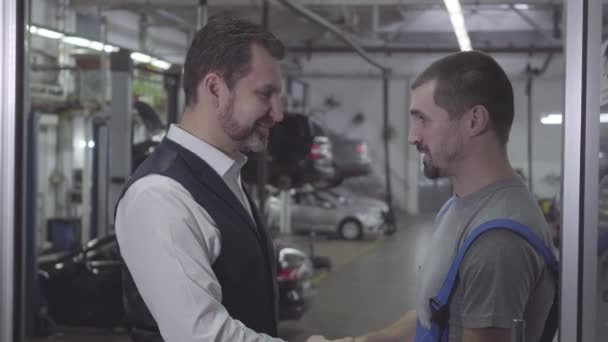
[248, 138]
[431, 171]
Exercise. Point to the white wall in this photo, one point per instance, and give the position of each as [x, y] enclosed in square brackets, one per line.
[363, 93]
[547, 140]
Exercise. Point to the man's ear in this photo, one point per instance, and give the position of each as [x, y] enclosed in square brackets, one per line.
[214, 89]
[478, 120]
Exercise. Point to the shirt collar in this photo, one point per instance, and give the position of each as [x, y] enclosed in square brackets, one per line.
[217, 159]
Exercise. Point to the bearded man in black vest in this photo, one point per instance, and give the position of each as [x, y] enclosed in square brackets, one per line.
[198, 263]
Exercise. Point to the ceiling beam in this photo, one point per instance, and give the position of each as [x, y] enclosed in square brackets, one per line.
[167, 4]
[392, 49]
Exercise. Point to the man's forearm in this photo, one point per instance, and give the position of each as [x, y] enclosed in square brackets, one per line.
[404, 330]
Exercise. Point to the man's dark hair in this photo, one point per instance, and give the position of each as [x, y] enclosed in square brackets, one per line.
[470, 78]
[224, 46]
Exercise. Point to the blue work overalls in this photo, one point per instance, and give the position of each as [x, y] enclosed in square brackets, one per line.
[439, 330]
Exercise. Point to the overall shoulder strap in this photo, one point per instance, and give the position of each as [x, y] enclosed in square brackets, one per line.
[534, 240]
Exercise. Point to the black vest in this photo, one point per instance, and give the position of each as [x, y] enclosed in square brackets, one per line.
[246, 266]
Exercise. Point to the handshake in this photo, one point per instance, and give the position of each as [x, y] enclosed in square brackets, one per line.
[316, 338]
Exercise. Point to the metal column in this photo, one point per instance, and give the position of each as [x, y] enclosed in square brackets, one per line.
[201, 14]
[580, 170]
[120, 125]
[99, 190]
[12, 14]
[529, 88]
[262, 163]
[385, 138]
[171, 82]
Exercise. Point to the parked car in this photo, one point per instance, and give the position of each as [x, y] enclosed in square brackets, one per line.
[294, 275]
[343, 196]
[83, 287]
[311, 210]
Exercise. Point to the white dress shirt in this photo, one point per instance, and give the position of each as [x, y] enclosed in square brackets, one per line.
[170, 243]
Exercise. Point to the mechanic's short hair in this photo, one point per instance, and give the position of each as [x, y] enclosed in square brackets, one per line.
[470, 78]
[224, 46]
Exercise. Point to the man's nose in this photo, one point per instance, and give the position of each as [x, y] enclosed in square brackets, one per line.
[413, 137]
[276, 111]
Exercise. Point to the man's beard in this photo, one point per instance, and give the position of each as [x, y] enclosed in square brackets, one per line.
[430, 171]
[248, 138]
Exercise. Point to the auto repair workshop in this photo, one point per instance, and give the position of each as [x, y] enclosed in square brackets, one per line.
[304, 170]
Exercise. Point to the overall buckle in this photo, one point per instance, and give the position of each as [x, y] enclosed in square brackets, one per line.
[439, 313]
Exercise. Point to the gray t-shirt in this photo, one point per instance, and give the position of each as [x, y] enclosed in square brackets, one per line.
[502, 277]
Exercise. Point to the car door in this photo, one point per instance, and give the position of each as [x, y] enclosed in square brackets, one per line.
[308, 213]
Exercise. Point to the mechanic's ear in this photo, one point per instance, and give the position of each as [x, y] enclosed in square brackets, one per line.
[478, 120]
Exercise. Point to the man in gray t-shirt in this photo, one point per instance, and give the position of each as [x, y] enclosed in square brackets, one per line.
[461, 114]
[522, 287]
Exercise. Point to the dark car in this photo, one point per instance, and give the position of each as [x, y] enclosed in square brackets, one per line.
[294, 275]
[299, 152]
[351, 156]
[83, 287]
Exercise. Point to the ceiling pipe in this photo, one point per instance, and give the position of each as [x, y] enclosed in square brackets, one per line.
[315, 18]
[201, 15]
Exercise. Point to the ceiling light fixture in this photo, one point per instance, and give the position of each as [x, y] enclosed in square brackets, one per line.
[45, 33]
[557, 119]
[457, 18]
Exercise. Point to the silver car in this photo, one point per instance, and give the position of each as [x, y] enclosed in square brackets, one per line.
[313, 210]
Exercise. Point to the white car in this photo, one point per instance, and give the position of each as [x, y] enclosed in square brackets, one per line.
[314, 210]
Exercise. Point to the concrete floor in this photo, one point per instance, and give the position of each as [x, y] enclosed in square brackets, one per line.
[371, 284]
[371, 291]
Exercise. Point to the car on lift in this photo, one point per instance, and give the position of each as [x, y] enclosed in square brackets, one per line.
[299, 152]
[350, 159]
[83, 287]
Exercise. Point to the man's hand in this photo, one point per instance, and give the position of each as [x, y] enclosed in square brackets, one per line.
[404, 330]
[317, 338]
[486, 334]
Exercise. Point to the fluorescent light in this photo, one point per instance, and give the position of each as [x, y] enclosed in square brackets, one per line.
[521, 7]
[457, 19]
[91, 144]
[46, 33]
[557, 119]
[140, 57]
[161, 64]
[551, 119]
[77, 41]
[73, 40]
[110, 48]
[97, 46]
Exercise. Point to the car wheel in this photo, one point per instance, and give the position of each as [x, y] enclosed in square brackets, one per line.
[390, 229]
[351, 230]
